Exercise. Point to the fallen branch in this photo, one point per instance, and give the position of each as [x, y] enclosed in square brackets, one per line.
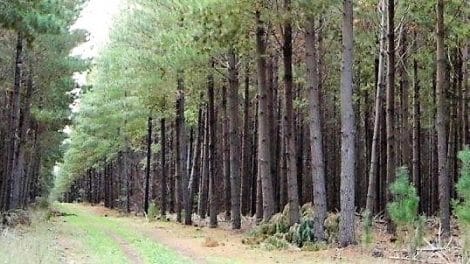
[414, 260]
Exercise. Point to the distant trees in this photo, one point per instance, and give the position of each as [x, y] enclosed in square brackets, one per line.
[34, 105]
[277, 119]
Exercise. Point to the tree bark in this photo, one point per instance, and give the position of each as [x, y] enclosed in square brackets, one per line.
[292, 187]
[441, 119]
[235, 153]
[246, 177]
[264, 152]
[213, 168]
[348, 132]
[180, 174]
[316, 136]
[147, 167]
[373, 171]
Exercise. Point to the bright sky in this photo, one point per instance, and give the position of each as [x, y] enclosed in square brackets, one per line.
[96, 18]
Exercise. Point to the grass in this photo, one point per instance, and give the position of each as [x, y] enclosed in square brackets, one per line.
[33, 244]
[98, 237]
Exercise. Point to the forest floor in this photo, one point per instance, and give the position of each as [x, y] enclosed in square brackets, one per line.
[93, 234]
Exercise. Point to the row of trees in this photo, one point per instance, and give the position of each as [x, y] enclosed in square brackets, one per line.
[35, 78]
[245, 107]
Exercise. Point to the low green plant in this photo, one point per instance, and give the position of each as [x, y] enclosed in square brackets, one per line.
[367, 227]
[403, 211]
[462, 205]
[314, 246]
[276, 241]
[301, 233]
[152, 211]
[331, 224]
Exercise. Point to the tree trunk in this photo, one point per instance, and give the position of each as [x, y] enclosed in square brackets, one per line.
[348, 152]
[147, 167]
[264, 152]
[226, 155]
[204, 183]
[235, 153]
[373, 171]
[292, 187]
[195, 170]
[180, 174]
[13, 183]
[416, 139]
[163, 182]
[390, 104]
[441, 119]
[246, 177]
[213, 168]
[316, 136]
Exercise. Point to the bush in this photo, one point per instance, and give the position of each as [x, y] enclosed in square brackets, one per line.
[276, 241]
[152, 211]
[367, 225]
[404, 208]
[332, 227]
[43, 202]
[462, 206]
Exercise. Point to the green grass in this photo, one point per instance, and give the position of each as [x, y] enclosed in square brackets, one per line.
[98, 238]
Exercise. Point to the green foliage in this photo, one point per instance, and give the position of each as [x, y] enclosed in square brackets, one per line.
[462, 206]
[403, 209]
[301, 233]
[332, 227]
[274, 242]
[152, 211]
[367, 223]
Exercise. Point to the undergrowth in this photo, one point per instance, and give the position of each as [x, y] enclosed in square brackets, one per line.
[462, 205]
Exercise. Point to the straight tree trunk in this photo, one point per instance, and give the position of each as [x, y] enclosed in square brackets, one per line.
[348, 152]
[416, 139]
[373, 171]
[180, 174]
[235, 147]
[264, 152]
[163, 186]
[204, 183]
[246, 178]
[316, 136]
[212, 155]
[195, 170]
[390, 105]
[226, 154]
[13, 182]
[441, 118]
[147, 167]
[292, 187]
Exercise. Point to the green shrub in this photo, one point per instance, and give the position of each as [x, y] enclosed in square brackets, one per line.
[314, 246]
[152, 211]
[42, 203]
[462, 206]
[367, 226]
[404, 208]
[274, 242]
[332, 227]
[301, 233]
[403, 211]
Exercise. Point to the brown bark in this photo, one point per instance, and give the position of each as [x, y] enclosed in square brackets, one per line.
[348, 132]
[316, 136]
[441, 119]
[264, 151]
